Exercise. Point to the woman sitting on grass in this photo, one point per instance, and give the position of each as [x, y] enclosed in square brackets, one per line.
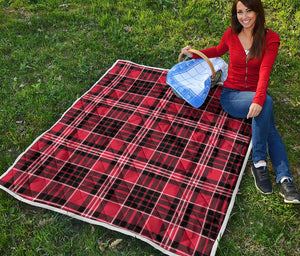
[253, 50]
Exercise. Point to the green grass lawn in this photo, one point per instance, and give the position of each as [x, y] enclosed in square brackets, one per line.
[52, 51]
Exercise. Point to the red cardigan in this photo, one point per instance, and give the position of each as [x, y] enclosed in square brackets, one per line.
[252, 75]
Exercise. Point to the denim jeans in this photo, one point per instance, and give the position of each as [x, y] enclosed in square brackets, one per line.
[265, 138]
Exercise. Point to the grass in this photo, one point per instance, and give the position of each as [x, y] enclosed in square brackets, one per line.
[53, 51]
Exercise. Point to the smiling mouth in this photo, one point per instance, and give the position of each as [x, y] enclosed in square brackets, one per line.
[246, 22]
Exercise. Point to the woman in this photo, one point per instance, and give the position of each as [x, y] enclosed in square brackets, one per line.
[253, 50]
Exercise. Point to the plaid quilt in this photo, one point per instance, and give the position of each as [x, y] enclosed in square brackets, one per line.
[132, 157]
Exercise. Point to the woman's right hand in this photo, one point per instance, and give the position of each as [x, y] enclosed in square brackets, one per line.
[184, 51]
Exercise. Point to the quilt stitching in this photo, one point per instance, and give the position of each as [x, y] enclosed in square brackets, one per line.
[131, 156]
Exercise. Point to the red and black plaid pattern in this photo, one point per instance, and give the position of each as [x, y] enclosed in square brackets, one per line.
[130, 155]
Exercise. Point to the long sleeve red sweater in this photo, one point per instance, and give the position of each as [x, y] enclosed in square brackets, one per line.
[246, 75]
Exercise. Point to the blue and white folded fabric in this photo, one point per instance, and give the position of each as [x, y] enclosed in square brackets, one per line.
[191, 79]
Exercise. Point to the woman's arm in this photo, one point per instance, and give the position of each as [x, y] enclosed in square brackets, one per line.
[265, 71]
[273, 42]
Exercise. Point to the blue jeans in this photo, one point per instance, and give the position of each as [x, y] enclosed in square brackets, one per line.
[265, 138]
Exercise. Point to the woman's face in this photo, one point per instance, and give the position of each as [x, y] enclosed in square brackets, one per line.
[245, 16]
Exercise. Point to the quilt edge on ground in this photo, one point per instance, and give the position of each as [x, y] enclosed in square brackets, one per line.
[232, 201]
[93, 222]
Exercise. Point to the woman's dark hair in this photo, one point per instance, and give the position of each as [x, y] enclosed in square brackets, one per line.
[259, 27]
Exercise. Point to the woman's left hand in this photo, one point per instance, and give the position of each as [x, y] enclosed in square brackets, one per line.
[185, 51]
[254, 110]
